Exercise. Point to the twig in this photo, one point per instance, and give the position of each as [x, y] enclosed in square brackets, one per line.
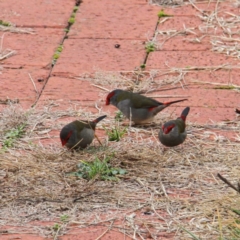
[1, 45]
[195, 6]
[97, 86]
[6, 55]
[14, 29]
[169, 96]
[99, 109]
[98, 238]
[97, 139]
[12, 52]
[33, 83]
[164, 190]
[56, 234]
[61, 153]
[228, 183]
[217, 84]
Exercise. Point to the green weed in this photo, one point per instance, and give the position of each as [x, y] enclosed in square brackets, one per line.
[226, 87]
[150, 47]
[71, 20]
[64, 218]
[56, 227]
[116, 133]
[190, 233]
[162, 14]
[57, 53]
[5, 24]
[12, 135]
[98, 168]
[75, 9]
[119, 116]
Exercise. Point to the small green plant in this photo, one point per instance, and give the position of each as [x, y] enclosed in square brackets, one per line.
[73, 15]
[116, 133]
[119, 116]
[71, 20]
[57, 53]
[60, 48]
[56, 227]
[226, 87]
[143, 66]
[56, 56]
[75, 9]
[190, 233]
[64, 218]
[98, 168]
[5, 24]
[150, 47]
[236, 211]
[12, 135]
[162, 14]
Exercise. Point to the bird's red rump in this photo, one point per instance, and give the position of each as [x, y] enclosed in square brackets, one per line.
[167, 129]
[151, 108]
[183, 117]
[109, 97]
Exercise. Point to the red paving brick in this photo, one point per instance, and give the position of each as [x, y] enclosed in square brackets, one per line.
[66, 89]
[121, 20]
[182, 59]
[182, 43]
[179, 23]
[16, 84]
[89, 55]
[39, 53]
[41, 13]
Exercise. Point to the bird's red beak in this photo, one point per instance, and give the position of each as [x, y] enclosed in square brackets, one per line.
[107, 101]
[63, 142]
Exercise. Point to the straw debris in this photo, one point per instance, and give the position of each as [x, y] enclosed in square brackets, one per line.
[164, 190]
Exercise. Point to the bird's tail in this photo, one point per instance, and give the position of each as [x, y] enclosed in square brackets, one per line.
[99, 119]
[170, 103]
[159, 108]
[185, 113]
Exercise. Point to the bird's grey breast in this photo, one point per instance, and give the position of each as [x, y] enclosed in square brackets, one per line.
[124, 107]
[87, 136]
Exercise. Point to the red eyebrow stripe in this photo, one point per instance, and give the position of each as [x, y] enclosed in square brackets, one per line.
[108, 97]
[64, 141]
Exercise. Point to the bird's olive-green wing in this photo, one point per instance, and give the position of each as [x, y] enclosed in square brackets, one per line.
[181, 125]
[140, 101]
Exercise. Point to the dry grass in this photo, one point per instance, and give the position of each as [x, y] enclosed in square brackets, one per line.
[223, 28]
[15, 29]
[165, 190]
[5, 53]
[166, 2]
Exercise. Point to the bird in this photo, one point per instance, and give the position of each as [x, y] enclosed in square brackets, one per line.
[136, 107]
[79, 134]
[173, 132]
